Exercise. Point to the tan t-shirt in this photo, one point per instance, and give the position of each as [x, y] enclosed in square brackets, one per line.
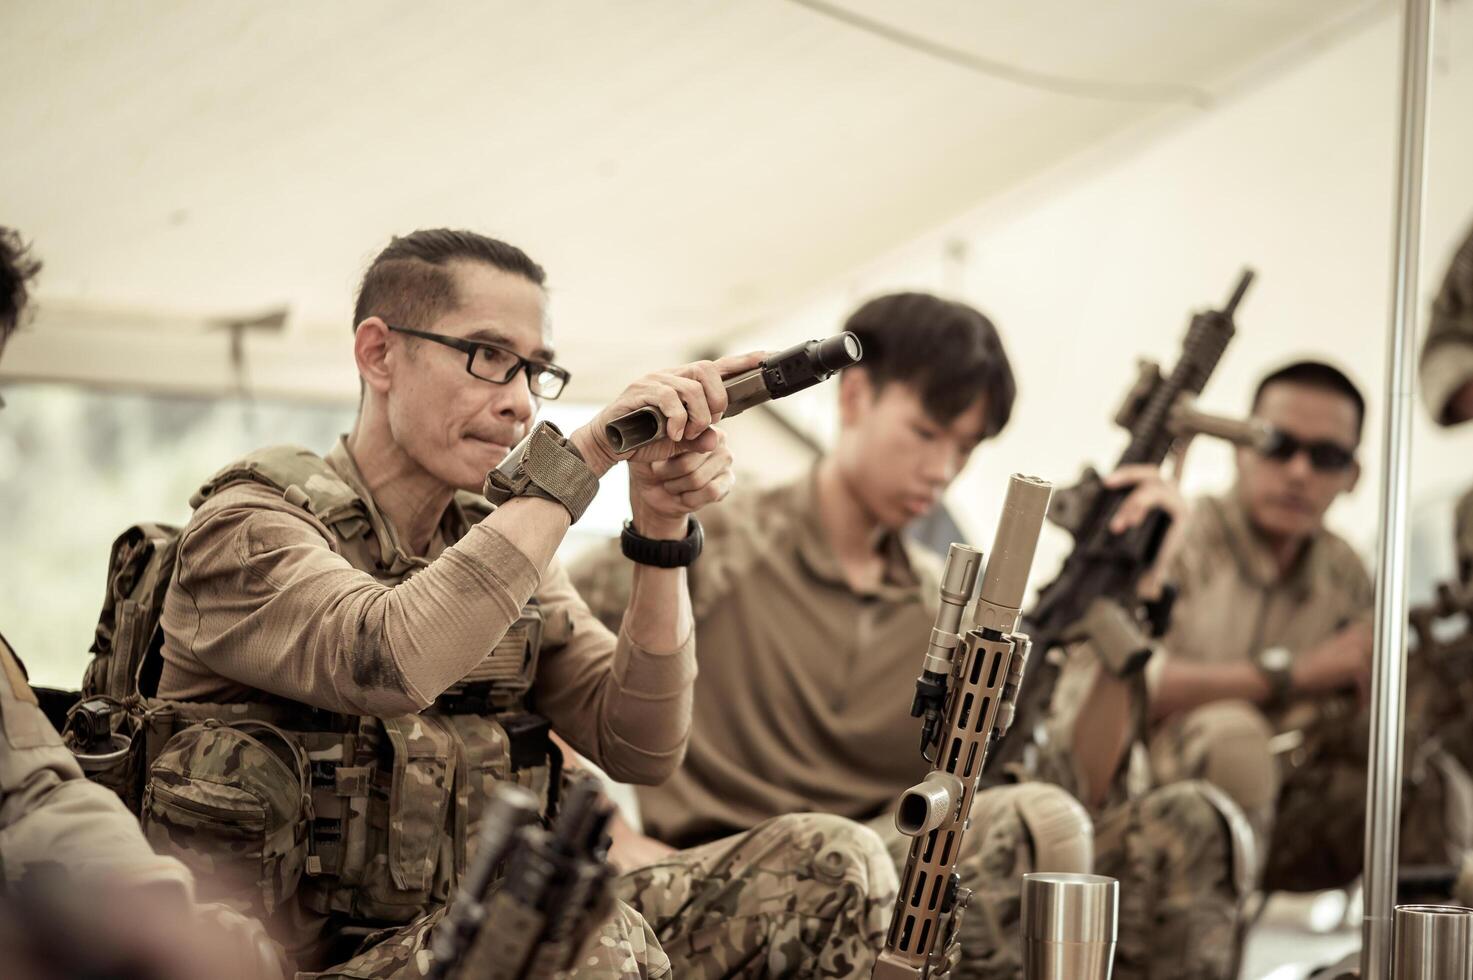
[803, 698]
[267, 598]
[1233, 603]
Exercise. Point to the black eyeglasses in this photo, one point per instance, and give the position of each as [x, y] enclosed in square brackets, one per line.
[498, 364]
[1324, 455]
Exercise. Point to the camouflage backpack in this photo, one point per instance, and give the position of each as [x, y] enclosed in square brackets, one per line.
[139, 570]
[106, 728]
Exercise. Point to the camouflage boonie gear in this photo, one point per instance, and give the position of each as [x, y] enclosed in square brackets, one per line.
[1183, 855]
[804, 895]
[1447, 354]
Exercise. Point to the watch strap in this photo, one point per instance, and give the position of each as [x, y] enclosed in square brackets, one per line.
[663, 552]
[546, 465]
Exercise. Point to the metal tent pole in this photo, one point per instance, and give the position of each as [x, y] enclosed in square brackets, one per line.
[1388, 682]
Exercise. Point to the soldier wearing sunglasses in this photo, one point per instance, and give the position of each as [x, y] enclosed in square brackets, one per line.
[1271, 636]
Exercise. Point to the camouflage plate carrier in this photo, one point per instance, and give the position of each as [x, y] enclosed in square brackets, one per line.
[271, 799]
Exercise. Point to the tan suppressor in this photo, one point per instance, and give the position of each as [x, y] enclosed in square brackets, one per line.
[800, 366]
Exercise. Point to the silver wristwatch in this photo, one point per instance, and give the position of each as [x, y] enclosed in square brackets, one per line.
[544, 464]
[1277, 666]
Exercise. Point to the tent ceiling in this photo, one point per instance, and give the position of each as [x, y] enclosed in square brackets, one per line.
[682, 168]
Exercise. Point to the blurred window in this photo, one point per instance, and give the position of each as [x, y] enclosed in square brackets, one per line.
[79, 465]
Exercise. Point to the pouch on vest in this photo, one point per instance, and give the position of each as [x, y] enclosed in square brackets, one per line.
[409, 850]
[138, 573]
[106, 740]
[234, 810]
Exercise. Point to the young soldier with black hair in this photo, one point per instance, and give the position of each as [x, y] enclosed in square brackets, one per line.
[812, 611]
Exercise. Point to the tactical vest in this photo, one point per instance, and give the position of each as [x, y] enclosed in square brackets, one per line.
[374, 818]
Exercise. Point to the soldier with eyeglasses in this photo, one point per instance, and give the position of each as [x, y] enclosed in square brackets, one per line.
[392, 616]
[1261, 682]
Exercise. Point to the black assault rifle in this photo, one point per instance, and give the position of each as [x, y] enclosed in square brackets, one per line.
[1094, 595]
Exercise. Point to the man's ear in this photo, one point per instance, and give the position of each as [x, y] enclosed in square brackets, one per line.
[1354, 476]
[856, 395]
[371, 351]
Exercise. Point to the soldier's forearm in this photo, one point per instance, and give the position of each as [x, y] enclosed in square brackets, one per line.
[1182, 686]
[658, 618]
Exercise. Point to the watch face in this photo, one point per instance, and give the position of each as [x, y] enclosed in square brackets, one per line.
[1276, 658]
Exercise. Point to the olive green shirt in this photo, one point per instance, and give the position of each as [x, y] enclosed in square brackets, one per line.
[803, 698]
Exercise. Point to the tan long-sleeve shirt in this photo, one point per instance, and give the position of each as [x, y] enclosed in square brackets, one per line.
[267, 598]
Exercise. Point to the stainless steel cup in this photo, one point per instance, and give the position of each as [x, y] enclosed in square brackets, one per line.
[1069, 926]
[1433, 942]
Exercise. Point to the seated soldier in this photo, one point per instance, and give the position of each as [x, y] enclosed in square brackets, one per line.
[812, 615]
[1447, 374]
[1270, 634]
[80, 889]
[416, 648]
[1447, 391]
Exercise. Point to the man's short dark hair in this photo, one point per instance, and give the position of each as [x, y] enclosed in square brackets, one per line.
[1317, 374]
[17, 268]
[409, 283]
[948, 351]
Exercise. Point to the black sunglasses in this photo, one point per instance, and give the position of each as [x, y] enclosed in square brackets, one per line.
[1324, 455]
[498, 364]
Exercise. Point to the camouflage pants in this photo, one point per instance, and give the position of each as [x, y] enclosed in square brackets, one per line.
[1225, 743]
[804, 895]
[1014, 830]
[1308, 807]
[1183, 857]
[1319, 836]
[624, 948]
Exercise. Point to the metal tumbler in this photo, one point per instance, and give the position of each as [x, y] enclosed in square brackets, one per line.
[1069, 926]
[1432, 942]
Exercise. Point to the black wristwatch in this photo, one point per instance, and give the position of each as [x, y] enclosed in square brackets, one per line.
[662, 552]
